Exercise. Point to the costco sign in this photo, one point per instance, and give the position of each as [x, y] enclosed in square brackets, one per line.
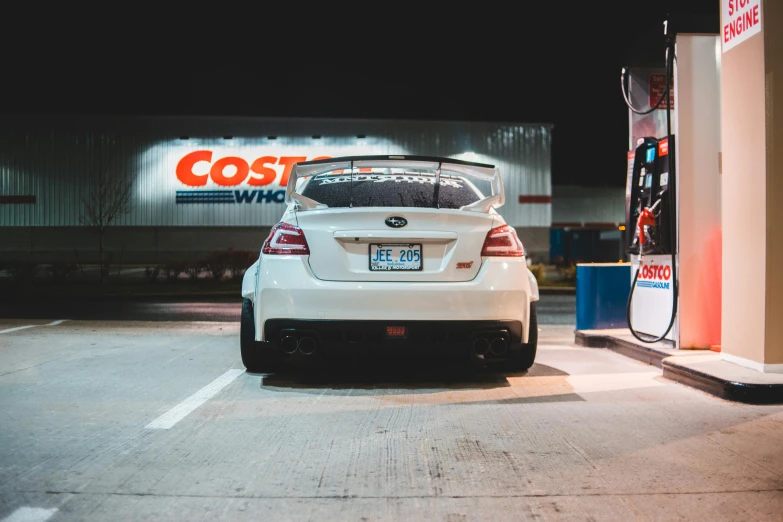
[740, 20]
[264, 175]
[230, 171]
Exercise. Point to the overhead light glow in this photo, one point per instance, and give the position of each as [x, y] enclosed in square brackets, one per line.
[470, 156]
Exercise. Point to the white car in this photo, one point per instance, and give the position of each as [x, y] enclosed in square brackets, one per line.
[395, 253]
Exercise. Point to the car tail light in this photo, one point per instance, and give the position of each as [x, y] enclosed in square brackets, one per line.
[502, 241]
[286, 239]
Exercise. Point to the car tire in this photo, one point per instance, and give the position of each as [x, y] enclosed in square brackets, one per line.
[257, 356]
[524, 358]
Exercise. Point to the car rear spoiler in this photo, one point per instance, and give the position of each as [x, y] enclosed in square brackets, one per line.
[465, 168]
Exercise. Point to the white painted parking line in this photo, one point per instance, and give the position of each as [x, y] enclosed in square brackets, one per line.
[184, 408]
[53, 323]
[9, 330]
[30, 514]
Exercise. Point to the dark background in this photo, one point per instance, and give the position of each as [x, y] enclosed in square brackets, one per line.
[538, 62]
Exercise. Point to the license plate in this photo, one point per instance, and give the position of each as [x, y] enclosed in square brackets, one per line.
[390, 257]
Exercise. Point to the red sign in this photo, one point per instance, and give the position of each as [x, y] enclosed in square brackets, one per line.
[663, 147]
[255, 173]
[535, 199]
[741, 20]
[657, 86]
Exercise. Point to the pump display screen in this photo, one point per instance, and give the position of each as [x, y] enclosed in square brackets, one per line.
[650, 155]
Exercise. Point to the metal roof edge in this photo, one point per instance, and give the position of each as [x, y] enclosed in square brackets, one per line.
[193, 117]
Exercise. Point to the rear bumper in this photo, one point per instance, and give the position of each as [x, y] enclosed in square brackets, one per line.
[288, 290]
[421, 338]
[374, 332]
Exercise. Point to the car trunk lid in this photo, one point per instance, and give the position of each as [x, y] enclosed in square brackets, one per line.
[340, 242]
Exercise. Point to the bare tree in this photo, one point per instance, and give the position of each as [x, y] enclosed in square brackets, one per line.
[108, 191]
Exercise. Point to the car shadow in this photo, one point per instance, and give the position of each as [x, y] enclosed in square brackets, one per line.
[427, 378]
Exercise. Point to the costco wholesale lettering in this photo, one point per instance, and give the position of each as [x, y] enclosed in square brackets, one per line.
[256, 173]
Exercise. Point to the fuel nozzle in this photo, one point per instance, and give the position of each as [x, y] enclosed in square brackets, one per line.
[647, 218]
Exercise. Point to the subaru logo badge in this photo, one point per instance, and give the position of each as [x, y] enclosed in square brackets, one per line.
[396, 221]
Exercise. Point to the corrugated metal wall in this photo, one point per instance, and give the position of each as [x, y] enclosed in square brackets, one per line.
[574, 206]
[52, 159]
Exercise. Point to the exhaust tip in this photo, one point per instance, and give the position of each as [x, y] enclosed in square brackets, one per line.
[498, 346]
[481, 346]
[288, 344]
[307, 345]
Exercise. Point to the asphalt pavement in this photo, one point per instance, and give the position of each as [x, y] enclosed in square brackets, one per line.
[157, 420]
[552, 309]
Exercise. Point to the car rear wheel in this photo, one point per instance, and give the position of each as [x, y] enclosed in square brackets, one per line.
[257, 356]
[523, 359]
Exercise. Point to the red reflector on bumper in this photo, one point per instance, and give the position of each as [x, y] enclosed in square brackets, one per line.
[395, 331]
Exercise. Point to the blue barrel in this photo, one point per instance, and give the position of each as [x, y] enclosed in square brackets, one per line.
[601, 295]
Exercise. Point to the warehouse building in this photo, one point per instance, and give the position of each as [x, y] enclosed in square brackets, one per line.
[588, 225]
[187, 186]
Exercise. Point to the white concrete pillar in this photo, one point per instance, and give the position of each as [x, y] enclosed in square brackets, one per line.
[698, 145]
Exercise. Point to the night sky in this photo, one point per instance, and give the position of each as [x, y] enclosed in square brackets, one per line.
[543, 62]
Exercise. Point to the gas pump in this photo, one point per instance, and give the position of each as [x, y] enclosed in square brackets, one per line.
[649, 207]
[651, 199]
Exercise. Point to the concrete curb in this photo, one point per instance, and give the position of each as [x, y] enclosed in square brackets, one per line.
[748, 393]
[172, 296]
[645, 354]
[744, 392]
[232, 293]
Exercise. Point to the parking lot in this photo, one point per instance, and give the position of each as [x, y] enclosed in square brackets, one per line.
[153, 420]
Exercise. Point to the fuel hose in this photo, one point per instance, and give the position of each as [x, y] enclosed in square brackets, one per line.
[671, 193]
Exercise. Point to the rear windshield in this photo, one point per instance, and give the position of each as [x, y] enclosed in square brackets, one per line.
[405, 189]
